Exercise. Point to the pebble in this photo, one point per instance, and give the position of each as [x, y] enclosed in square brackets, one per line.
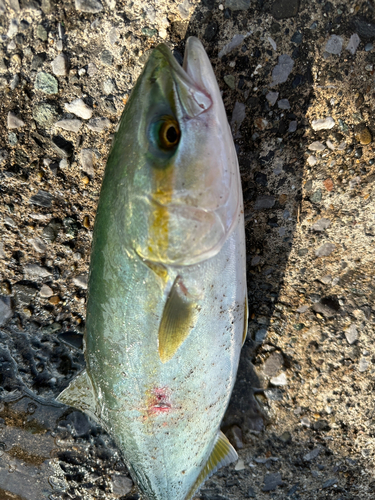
[285, 9]
[312, 454]
[353, 44]
[334, 45]
[364, 136]
[72, 125]
[316, 146]
[35, 271]
[60, 65]
[79, 108]
[90, 6]
[81, 281]
[121, 484]
[329, 483]
[323, 123]
[64, 163]
[230, 81]
[50, 232]
[91, 69]
[279, 380]
[328, 184]
[363, 365]
[235, 5]
[369, 46]
[321, 225]
[5, 310]
[45, 114]
[41, 32]
[264, 201]
[109, 86]
[86, 222]
[23, 294]
[272, 98]
[87, 161]
[15, 121]
[46, 83]
[46, 292]
[238, 116]
[283, 104]
[42, 199]
[292, 126]
[54, 300]
[106, 57]
[272, 481]
[330, 145]
[235, 42]
[273, 364]
[98, 124]
[282, 70]
[311, 160]
[325, 250]
[15, 81]
[38, 245]
[351, 334]
[62, 147]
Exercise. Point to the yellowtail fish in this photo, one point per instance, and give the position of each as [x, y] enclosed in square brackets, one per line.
[166, 310]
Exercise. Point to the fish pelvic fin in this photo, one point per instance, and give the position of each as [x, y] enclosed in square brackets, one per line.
[178, 319]
[80, 394]
[222, 454]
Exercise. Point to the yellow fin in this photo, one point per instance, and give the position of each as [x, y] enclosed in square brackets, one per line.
[178, 320]
[245, 321]
[222, 454]
[81, 395]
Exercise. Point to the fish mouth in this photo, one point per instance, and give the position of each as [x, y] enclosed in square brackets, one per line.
[194, 95]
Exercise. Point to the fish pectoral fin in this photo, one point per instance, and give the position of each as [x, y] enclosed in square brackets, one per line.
[178, 319]
[80, 394]
[245, 321]
[222, 454]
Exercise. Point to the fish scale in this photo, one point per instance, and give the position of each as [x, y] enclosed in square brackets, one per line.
[166, 311]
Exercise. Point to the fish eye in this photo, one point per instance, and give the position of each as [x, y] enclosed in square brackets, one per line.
[169, 133]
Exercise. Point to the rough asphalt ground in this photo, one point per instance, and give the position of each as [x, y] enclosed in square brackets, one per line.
[298, 84]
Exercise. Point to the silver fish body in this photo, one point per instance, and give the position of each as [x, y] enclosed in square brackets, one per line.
[166, 312]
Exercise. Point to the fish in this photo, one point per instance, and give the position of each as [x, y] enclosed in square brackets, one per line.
[167, 297]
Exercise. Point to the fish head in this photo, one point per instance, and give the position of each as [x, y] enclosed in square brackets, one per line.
[185, 192]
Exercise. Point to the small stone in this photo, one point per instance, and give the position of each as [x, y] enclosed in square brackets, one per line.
[330, 145]
[14, 121]
[312, 454]
[87, 162]
[63, 163]
[351, 334]
[90, 6]
[150, 32]
[285, 9]
[5, 310]
[91, 69]
[273, 364]
[38, 60]
[121, 484]
[240, 465]
[35, 271]
[297, 38]
[54, 300]
[238, 116]
[272, 481]
[325, 250]
[334, 45]
[5, 288]
[235, 5]
[72, 125]
[282, 70]
[41, 33]
[321, 225]
[316, 146]
[23, 294]
[12, 138]
[261, 123]
[62, 147]
[272, 98]
[292, 126]
[264, 201]
[279, 380]
[42, 199]
[60, 65]
[369, 47]
[38, 245]
[353, 44]
[81, 281]
[323, 123]
[283, 104]
[106, 57]
[79, 108]
[230, 81]
[235, 42]
[46, 83]
[46, 292]
[328, 184]
[316, 197]
[311, 160]
[260, 335]
[50, 232]
[98, 124]
[86, 222]
[109, 86]
[45, 114]
[364, 136]
[329, 483]
[363, 365]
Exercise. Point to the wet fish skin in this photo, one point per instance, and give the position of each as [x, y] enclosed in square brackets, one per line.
[166, 311]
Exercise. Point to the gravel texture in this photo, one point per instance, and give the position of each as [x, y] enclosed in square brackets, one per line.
[298, 84]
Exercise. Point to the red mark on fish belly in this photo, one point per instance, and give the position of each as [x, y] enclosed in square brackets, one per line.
[159, 401]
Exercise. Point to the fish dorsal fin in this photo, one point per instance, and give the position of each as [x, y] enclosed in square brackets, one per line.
[178, 319]
[222, 454]
[245, 321]
[80, 394]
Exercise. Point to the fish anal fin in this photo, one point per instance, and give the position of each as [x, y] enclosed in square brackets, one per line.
[245, 320]
[80, 394]
[222, 454]
[178, 319]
